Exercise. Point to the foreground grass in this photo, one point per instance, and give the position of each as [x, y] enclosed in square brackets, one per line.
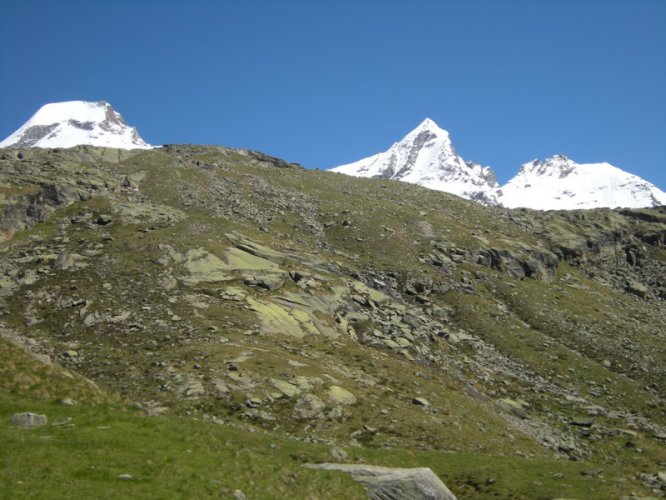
[83, 452]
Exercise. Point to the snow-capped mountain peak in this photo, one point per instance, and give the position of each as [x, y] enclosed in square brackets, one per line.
[429, 126]
[67, 124]
[426, 156]
[559, 183]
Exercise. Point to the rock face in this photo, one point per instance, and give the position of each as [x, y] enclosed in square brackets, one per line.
[73, 123]
[388, 483]
[426, 157]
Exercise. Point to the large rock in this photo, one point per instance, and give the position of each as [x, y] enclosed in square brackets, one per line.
[341, 396]
[638, 289]
[27, 420]
[388, 483]
[63, 262]
[309, 406]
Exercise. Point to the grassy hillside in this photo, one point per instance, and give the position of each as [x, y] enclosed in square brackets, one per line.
[241, 299]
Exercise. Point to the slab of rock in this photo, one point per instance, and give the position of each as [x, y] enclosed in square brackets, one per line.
[28, 420]
[388, 483]
[512, 407]
[341, 396]
[287, 389]
[191, 387]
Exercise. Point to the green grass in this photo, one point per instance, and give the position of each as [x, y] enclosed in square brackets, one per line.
[84, 450]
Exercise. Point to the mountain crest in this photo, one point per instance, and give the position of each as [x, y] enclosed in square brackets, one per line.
[559, 183]
[559, 165]
[72, 123]
[429, 125]
[426, 156]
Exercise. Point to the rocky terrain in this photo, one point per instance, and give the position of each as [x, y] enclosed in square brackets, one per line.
[246, 292]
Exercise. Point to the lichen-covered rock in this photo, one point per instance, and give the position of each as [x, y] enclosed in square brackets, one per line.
[340, 396]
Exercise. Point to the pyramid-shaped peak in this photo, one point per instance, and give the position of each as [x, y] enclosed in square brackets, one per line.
[426, 156]
[429, 125]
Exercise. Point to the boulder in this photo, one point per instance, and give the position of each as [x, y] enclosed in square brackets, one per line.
[104, 219]
[421, 402]
[28, 420]
[341, 396]
[389, 483]
[309, 406]
[638, 289]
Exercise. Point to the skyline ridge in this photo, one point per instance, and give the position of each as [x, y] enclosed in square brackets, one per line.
[68, 119]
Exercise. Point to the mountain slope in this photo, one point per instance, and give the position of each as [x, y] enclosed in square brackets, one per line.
[559, 183]
[363, 315]
[73, 123]
[427, 157]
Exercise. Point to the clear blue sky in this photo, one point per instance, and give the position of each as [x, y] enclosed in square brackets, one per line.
[328, 82]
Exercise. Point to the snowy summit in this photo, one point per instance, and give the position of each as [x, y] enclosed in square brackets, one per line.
[67, 124]
[559, 183]
[426, 157]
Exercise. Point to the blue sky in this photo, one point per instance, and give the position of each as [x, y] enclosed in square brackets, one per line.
[324, 83]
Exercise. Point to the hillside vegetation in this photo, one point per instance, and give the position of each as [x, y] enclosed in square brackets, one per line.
[221, 317]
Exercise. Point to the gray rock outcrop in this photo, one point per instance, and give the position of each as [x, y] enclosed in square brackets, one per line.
[28, 420]
[389, 483]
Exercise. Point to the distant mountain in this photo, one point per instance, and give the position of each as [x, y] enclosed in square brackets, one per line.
[427, 157]
[67, 124]
[559, 183]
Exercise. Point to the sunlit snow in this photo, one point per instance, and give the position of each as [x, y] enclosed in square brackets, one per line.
[426, 157]
[67, 124]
